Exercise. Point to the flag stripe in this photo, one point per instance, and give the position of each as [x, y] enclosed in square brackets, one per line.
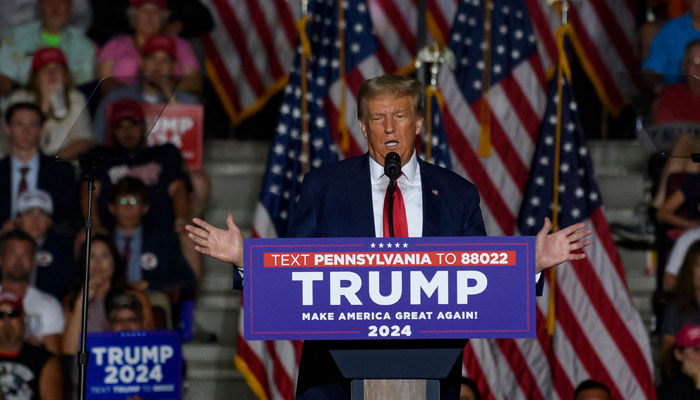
[238, 39]
[286, 18]
[263, 30]
[393, 13]
[283, 382]
[543, 27]
[526, 380]
[222, 75]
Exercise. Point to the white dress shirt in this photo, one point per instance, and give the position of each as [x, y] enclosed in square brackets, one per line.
[32, 178]
[410, 184]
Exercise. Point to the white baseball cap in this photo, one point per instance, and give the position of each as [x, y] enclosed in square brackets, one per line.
[32, 199]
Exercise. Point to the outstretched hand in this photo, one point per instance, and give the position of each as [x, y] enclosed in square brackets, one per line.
[556, 248]
[224, 245]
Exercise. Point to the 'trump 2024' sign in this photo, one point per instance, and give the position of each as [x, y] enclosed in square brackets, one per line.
[389, 288]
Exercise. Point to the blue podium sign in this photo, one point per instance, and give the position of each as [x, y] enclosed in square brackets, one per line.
[389, 288]
[127, 364]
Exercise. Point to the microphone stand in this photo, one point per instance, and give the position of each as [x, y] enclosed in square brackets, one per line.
[392, 189]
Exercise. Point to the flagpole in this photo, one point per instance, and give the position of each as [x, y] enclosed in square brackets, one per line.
[485, 109]
[304, 57]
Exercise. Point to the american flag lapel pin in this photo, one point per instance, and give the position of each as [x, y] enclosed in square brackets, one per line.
[435, 192]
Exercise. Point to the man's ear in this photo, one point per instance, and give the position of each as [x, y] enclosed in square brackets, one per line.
[419, 125]
[678, 353]
[112, 209]
[363, 127]
[145, 208]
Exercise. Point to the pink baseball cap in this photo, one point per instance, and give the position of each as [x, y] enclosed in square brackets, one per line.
[159, 42]
[126, 109]
[688, 336]
[48, 55]
[162, 4]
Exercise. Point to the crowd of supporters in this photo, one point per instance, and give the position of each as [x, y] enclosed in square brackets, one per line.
[56, 109]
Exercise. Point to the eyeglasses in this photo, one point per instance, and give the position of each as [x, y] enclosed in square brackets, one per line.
[128, 200]
[10, 314]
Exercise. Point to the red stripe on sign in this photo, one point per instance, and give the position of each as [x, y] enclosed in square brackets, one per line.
[476, 373]
[616, 328]
[595, 59]
[255, 364]
[284, 383]
[500, 142]
[399, 23]
[268, 42]
[516, 360]
[541, 24]
[582, 346]
[522, 106]
[478, 175]
[286, 17]
[221, 72]
[233, 27]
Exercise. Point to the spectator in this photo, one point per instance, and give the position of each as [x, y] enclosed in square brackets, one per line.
[26, 168]
[54, 258]
[161, 168]
[592, 390]
[469, 390]
[19, 12]
[107, 281]
[159, 84]
[120, 56]
[51, 30]
[125, 313]
[685, 308]
[681, 102]
[28, 372]
[154, 259]
[685, 381]
[67, 131]
[44, 320]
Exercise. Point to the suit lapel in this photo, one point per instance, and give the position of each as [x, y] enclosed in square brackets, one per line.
[5, 195]
[43, 179]
[359, 194]
[431, 203]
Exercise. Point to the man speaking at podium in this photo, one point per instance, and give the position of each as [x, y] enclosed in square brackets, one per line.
[350, 198]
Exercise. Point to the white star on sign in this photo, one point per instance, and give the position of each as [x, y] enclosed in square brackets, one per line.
[381, 245]
[388, 245]
[373, 245]
[405, 245]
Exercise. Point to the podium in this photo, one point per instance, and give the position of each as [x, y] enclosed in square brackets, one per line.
[393, 315]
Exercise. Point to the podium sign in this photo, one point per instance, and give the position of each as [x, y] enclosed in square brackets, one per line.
[147, 364]
[389, 288]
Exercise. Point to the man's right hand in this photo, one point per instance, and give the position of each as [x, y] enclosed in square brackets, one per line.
[224, 245]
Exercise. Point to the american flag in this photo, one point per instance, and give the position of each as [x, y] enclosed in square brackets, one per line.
[604, 37]
[436, 139]
[250, 51]
[598, 333]
[270, 368]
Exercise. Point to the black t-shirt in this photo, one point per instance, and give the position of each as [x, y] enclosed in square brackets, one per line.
[678, 387]
[157, 167]
[19, 376]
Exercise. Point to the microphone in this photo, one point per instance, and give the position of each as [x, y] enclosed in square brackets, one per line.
[392, 166]
[392, 169]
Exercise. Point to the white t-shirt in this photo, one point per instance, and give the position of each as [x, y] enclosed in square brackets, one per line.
[675, 260]
[43, 314]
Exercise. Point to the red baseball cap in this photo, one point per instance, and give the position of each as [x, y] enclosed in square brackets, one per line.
[162, 4]
[48, 55]
[159, 42]
[688, 336]
[12, 299]
[126, 109]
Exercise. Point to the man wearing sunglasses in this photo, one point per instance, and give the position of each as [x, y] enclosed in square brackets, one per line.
[26, 371]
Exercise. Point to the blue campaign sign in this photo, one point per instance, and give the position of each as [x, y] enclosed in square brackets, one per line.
[127, 364]
[389, 288]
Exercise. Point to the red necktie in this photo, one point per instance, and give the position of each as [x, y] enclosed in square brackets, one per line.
[23, 186]
[400, 223]
[127, 251]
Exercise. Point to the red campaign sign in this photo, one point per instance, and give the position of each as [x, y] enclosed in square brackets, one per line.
[179, 124]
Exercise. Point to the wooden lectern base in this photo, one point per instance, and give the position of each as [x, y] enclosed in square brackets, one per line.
[395, 389]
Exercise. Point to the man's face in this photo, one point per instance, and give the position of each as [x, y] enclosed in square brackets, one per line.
[157, 64]
[125, 320]
[24, 130]
[593, 394]
[148, 19]
[51, 74]
[391, 125]
[128, 211]
[465, 393]
[54, 13]
[129, 134]
[17, 261]
[11, 326]
[35, 222]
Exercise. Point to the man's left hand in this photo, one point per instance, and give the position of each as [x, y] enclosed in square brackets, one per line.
[556, 248]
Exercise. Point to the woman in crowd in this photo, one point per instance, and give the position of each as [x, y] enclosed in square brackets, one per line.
[51, 88]
[685, 308]
[120, 56]
[107, 280]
